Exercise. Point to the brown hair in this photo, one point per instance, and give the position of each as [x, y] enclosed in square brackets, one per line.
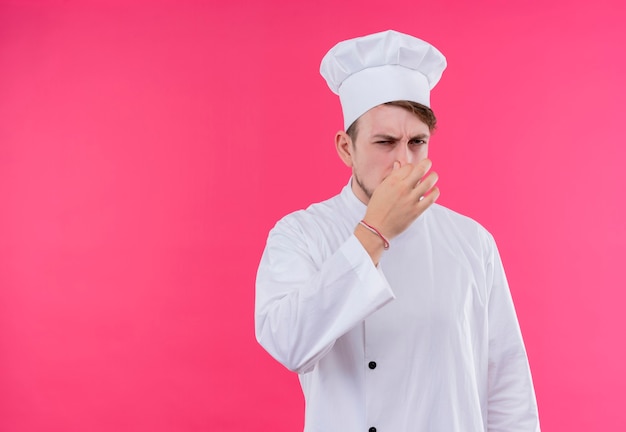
[422, 112]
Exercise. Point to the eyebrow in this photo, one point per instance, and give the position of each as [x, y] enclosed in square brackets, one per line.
[393, 138]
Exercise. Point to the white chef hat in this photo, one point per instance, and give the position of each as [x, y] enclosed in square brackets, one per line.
[381, 67]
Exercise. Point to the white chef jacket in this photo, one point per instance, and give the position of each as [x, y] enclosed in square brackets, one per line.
[427, 341]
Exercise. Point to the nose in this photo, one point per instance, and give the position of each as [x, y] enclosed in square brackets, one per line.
[404, 154]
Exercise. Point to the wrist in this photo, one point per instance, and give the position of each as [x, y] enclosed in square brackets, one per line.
[372, 244]
[375, 231]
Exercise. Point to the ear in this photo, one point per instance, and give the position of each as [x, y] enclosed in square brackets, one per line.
[344, 146]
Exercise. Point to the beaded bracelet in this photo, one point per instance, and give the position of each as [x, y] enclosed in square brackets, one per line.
[375, 231]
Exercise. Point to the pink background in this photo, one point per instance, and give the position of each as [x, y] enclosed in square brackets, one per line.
[147, 149]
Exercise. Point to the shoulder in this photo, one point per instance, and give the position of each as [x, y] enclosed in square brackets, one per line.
[446, 215]
[319, 214]
[455, 225]
[315, 232]
[323, 224]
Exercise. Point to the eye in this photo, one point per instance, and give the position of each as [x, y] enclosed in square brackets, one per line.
[385, 143]
[418, 142]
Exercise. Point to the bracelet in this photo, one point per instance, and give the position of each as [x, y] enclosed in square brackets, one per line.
[375, 231]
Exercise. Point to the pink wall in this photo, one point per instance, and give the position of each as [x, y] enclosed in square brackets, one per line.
[145, 152]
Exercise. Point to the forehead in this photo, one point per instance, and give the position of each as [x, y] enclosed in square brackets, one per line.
[390, 118]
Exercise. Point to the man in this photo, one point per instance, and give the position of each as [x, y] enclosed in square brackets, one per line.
[394, 311]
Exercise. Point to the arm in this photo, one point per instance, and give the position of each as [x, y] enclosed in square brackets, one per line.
[303, 306]
[305, 301]
[511, 401]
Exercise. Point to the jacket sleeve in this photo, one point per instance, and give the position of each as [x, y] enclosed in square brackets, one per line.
[512, 406]
[307, 298]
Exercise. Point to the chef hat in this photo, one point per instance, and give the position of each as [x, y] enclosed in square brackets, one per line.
[381, 67]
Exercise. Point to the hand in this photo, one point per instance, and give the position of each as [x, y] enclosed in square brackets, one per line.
[402, 197]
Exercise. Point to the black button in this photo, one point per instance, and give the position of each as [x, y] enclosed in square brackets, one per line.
[372, 429]
[372, 365]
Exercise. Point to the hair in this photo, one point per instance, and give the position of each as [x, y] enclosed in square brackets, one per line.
[422, 112]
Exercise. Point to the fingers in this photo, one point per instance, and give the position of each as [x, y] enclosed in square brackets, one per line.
[420, 181]
[409, 172]
[430, 197]
[427, 183]
[419, 171]
[416, 177]
[402, 197]
[402, 171]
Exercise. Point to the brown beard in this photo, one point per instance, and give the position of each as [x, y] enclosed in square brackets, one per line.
[364, 188]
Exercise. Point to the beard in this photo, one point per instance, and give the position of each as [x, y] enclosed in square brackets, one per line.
[367, 191]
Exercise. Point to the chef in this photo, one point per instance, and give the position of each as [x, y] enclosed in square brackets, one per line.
[394, 311]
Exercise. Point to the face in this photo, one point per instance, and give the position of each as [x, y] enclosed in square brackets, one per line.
[385, 134]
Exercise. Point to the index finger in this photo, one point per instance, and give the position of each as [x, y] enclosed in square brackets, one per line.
[401, 171]
[419, 171]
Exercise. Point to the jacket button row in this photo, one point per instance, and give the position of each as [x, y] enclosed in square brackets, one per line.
[372, 365]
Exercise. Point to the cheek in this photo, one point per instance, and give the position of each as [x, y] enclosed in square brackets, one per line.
[373, 170]
[420, 153]
[381, 166]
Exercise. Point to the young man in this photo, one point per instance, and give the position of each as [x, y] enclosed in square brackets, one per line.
[394, 311]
